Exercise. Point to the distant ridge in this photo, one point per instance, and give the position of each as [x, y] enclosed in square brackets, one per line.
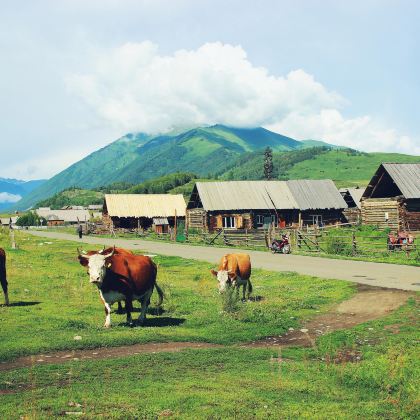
[206, 151]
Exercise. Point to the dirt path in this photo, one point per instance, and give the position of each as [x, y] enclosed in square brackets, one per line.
[375, 274]
[368, 304]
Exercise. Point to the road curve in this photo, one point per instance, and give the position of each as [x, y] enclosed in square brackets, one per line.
[394, 276]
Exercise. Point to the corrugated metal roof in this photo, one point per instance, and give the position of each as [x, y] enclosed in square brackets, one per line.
[160, 221]
[406, 176]
[145, 205]
[270, 195]
[240, 195]
[70, 216]
[316, 194]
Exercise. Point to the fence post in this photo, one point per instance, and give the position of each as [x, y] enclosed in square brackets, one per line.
[354, 243]
[12, 237]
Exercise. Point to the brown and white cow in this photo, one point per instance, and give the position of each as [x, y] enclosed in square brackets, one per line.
[234, 270]
[3, 276]
[120, 251]
[121, 276]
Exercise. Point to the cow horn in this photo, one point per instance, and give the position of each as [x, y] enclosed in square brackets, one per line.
[83, 253]
[102, 250]
[110, 254]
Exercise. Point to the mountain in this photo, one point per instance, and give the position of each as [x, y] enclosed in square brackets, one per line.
[12, 190]
[137, 157]
[226, 152]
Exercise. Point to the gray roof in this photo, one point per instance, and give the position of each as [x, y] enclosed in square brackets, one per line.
[406, 176]
[313, 194]
[239, 195]
[270, 195]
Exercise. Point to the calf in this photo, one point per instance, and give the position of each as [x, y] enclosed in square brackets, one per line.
[3, 277]
[126, 277]
[235, 270]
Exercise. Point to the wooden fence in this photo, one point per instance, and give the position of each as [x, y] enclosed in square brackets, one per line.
[348, 242]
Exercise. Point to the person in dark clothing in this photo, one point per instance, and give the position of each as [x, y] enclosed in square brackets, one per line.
[80, 231]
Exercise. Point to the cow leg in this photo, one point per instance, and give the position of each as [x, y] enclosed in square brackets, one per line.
[107, 311]
[120, 308]
[6, 295]
[129, 309]
[249, 287]
[107, 315]
[145, 302]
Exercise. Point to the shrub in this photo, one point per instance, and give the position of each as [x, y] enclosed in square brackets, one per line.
[337, 245]
[230, 300]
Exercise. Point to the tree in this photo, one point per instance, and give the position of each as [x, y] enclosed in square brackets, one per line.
[268, 163]
[30, 219]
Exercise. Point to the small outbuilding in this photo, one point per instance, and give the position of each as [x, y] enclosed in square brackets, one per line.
[258, 204]
[392, 198]
[58, 217]
[143, 211]
[352, 197]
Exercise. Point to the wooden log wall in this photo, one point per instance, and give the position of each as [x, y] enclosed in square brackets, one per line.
[196, 219]
[374, 211]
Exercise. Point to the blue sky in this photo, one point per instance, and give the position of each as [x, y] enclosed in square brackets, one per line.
[76, 75]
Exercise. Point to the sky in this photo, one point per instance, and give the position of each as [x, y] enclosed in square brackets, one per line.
[77, 74]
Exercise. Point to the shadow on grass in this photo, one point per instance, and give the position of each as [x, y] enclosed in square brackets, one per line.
[150, 311]
[256, 298]
[164, 321]
[22, 304]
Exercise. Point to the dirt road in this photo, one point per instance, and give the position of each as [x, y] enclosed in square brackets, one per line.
[374, 274]
[368, 304]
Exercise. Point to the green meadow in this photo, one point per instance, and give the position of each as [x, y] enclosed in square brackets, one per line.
[53, 302]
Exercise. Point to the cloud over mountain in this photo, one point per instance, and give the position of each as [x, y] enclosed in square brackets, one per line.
[135, 88]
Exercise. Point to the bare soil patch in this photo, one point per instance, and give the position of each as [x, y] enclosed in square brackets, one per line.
[368, 304]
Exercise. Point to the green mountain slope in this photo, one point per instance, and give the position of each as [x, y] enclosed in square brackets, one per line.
[99, 168]
[138, 157]
[346, 167]
[228, 152]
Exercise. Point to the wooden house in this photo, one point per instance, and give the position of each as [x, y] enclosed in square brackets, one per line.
[257, 204]
[143, 211]
[392, 198]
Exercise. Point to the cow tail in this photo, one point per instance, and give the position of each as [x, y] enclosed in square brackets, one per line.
[3, 275]
[160, 293]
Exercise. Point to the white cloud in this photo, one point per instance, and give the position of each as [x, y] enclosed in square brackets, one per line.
[9, 198]
[134, 88]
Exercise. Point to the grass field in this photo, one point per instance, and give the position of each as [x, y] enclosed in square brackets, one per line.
[53, 302]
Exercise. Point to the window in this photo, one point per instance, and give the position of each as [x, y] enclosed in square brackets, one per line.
[317, 219]
[260, 220]
[229, 222]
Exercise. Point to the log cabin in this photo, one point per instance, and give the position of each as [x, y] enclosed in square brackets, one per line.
[392, 198]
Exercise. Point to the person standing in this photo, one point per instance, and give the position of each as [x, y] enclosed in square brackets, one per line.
[80, 230]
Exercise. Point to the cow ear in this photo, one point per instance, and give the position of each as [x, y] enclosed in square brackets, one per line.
[83, 261]
[213, 272]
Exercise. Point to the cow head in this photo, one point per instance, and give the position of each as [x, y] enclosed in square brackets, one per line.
[96, 264]
[224, 278]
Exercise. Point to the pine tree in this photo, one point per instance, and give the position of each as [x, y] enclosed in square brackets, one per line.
[268, 163]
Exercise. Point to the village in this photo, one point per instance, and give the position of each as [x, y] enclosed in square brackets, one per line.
[254, 213]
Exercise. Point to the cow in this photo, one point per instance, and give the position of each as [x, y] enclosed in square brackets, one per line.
[3, 277]
[234, 270]
[121, 276]
[118, 251]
